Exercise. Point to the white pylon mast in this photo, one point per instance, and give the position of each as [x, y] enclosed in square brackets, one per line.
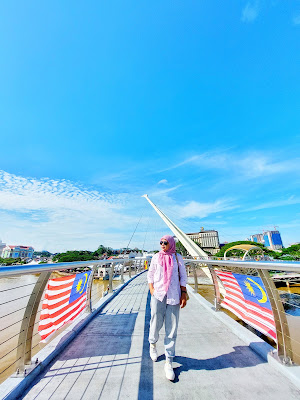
[192, 248]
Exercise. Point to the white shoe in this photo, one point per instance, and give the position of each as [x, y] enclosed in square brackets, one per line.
[153, 352]
[169, 370]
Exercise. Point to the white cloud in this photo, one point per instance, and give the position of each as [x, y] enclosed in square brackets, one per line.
[188, 161]
[250, 12]
[277, 203]
[162, 182]
[59, 215]
[256, 165]
[164, 191]
[202, 210]
[250, 165]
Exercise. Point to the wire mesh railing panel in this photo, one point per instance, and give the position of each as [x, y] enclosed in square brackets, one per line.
[290, 297]
[284, 297]
[14, 295]
[17, 304]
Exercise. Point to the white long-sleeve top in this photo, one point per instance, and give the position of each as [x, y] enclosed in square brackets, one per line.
[156, 277]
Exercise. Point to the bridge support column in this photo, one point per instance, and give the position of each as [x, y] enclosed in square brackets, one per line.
[195, 279]
[284, 348]
[216, 287]
[26, 330]
[111, 273]
[89, 305]
[122, 272]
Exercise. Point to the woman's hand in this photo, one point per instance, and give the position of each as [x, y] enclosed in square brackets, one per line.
[151, 288]
[183, 299]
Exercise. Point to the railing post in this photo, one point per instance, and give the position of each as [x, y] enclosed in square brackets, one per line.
[216, 287]
[111, 273]
[195, 279]
[284, 348]
[89, 290]
[129, 270]
[26, 330]
[122, 272]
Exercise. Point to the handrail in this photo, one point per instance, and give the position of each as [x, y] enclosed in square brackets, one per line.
[37, 268]
[285, 349]
[24, 347]
[25, 334]
[292, 266]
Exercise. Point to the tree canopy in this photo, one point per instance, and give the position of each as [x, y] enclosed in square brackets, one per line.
[75, 255]
[10, 261]
[43, 253]
[237, 252]
[183, 251]
[291, 253]
[85, 255]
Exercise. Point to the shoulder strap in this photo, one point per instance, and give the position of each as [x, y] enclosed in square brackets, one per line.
[177, 266]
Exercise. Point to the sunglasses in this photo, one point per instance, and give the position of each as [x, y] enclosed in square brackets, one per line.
[163, 242]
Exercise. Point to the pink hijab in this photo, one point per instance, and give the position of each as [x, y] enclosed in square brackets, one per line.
[165, 258]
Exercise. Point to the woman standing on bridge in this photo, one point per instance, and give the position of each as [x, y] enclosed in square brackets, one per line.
[167, 283]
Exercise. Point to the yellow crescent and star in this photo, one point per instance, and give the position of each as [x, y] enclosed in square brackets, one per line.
[80, 285]
[251, 290]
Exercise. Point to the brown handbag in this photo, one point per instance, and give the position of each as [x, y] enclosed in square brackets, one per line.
[187, 295]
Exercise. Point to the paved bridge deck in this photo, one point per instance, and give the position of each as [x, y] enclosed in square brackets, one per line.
[109, 359]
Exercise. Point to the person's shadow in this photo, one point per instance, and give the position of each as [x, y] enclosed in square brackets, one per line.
[241, 357]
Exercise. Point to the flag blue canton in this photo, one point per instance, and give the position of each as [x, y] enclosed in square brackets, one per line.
[79, 286]
[253, 290]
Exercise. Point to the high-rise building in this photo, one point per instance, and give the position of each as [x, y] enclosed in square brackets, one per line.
[208, 240]
[271, 239]
[257, 238]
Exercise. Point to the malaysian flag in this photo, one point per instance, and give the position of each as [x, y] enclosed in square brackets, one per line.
[65, 299]
[246, 297]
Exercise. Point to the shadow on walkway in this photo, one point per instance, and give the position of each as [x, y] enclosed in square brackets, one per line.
[241, 357]
[146, 377]
[105, 335]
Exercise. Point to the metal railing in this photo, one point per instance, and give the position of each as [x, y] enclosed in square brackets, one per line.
[287, 326]
[20, 305]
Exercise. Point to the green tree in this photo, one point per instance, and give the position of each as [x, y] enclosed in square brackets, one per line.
[239, 253]
[10, 261]
[291, 253]
[181, 249]
[75, 255]
[103, 250]
[43, 253]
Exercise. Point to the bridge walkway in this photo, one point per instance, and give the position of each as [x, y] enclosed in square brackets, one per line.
[109, 359]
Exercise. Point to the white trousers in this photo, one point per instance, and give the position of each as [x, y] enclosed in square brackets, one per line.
[161, 313]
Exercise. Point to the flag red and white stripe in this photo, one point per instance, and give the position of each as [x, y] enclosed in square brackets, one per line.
[259, 317]
[56, 308]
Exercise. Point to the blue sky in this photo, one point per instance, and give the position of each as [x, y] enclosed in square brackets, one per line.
[195, 103]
